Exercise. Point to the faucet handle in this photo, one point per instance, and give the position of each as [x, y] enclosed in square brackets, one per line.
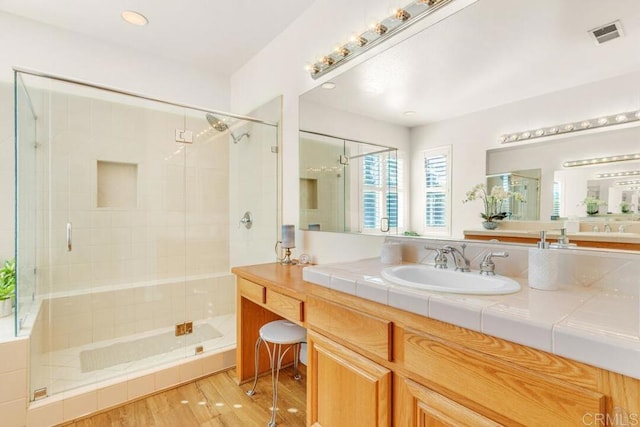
[440, 260]
[487, 266]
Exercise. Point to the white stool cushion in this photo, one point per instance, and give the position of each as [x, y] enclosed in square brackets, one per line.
[283, 332]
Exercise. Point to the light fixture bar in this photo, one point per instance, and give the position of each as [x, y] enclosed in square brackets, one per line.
[401, 19]
[566, 128]
[617, 174]
[601, 160]
[634, 182]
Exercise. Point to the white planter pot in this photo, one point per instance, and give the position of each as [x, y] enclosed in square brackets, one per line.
[6, 308]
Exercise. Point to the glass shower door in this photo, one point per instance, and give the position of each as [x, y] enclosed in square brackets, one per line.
[26, 201]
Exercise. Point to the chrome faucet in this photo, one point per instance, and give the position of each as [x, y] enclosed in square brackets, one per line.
[487, 266]
[461, 262]
[440, 260]
[595, 228]
[622, 228]
[607, 228]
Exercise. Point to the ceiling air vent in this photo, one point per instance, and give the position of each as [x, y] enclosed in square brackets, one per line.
[607, 32]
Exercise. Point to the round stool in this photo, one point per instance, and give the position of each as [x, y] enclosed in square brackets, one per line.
[275, 335]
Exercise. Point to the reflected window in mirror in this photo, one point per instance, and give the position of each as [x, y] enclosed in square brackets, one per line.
[379, 209]
[350, 186]
[437, 198]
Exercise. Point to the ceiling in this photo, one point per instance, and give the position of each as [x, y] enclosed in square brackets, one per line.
[215, 35]
[491, 53]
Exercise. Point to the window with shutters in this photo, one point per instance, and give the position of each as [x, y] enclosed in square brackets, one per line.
[437, 177]
[380, 178]
[556, 198]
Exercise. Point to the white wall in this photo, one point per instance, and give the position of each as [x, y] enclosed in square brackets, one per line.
[29, 44]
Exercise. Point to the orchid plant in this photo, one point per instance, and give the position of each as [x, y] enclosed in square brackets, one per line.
[593, 204]
[492, 200]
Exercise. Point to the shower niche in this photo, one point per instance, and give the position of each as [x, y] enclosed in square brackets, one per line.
[125, 233]
[117, 185]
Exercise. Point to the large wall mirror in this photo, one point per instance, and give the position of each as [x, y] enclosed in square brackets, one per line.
[496, 67]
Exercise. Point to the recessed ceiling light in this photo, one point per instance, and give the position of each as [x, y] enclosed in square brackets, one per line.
[134, 18]
[328, 85]
[409, 113]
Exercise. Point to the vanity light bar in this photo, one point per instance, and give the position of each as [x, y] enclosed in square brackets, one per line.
[635, 182]
[617, 174]
[601, 160]
[582, 125]
[400, 19]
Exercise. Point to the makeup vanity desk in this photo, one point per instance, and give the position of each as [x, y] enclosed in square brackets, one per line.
[372, 364]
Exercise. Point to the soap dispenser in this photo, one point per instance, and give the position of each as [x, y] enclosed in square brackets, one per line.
[543, 266]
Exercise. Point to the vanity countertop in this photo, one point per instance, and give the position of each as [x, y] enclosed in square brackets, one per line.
[596, 326]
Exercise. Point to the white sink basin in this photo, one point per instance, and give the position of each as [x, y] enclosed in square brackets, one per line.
[445, 280]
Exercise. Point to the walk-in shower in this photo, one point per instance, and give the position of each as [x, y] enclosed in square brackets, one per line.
[221, 126]
[125, 234]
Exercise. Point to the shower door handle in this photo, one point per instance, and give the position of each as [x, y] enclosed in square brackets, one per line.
[69, 237]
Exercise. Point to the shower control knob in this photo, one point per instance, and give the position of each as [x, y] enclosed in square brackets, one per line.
[246, 220]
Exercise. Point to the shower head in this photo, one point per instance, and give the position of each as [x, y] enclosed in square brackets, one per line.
[216, 123]
[236, 139]
[221, 126]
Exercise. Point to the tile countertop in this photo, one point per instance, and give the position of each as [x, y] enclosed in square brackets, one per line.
[600, 327]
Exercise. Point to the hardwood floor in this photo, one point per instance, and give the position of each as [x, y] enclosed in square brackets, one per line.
[213, 401]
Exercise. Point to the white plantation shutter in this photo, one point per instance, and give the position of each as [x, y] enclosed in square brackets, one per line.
[371, 196]
[393, 177]
[556, 199]
[437, 172]
[380, 177]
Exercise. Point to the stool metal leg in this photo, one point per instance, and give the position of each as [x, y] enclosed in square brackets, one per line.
[257, 361]
[275, 373]
[296, 361]
[276, 355]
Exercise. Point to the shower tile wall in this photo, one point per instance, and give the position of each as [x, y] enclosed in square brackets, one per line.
[76, 320]
[317, 161]
[126, 271]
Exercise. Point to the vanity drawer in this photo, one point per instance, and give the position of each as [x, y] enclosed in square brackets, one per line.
[510, 391]
[371, 333]
[252, 291]
[287, 307]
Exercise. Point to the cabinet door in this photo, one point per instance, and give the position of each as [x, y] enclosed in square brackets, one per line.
[418, 406]
[345, 388]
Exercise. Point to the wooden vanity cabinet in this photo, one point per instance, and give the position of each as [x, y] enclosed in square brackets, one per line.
[418, 406]
[373, 365]
[345, 388]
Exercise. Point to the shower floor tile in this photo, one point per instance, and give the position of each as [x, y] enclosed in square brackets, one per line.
[63, 368]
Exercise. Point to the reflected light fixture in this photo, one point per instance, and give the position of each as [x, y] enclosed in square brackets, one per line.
[328, 85]
[400, 19]
[634, 182]
[569, 128]
[617, 174]
[601, 160]
[134, 18]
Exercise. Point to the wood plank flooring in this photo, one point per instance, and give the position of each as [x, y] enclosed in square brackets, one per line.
[214, 401]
